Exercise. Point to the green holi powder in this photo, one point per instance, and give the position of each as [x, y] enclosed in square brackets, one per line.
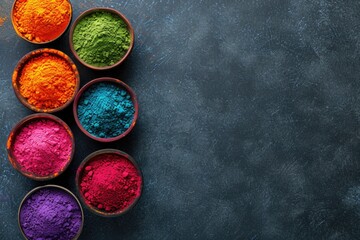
[101, 39]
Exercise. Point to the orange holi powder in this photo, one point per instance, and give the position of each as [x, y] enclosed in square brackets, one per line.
[2, 20]
[41, 20]
[47, 81]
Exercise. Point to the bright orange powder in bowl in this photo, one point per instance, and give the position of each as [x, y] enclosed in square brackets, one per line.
[41, 21]
[46, 80]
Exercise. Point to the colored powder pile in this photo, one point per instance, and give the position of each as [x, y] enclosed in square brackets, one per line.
[101, 39]
[41, 20]
[47, 81]
[2, 20]
[52, 214]
[42, 147]
[110, 183]
[105, 110]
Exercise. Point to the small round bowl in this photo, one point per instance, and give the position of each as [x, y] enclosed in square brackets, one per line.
[81, 168]
[15, 131]
[51, 186]
[92, 10]
[106, 80]
[18, 71]
[34, 41]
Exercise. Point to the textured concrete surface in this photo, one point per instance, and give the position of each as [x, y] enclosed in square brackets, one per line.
[248, 126]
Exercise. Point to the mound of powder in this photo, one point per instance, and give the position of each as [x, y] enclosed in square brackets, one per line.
[110, 182]
[41, 20]
[101, 38]
[47, 81]
[105, 110]
[51, 214]
[42, 147]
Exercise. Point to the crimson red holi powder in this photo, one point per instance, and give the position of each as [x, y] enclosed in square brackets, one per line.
[110, 182]
[42, 147]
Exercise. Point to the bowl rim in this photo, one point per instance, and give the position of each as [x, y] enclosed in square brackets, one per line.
[14, 132]
[40, 43]
[51, 186]
[99, 9]
[89, 158]
[104, 80]
[22, 62]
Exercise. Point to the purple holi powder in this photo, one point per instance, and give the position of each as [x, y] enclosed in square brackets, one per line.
[50, 214]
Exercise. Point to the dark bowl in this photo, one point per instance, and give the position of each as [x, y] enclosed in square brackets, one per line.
[51, 186]
[130, 28]
[15, 131]
[122, 85]
[28, 57]
[35, 42]
[81, 169]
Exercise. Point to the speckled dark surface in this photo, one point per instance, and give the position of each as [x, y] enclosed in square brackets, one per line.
[248, 125]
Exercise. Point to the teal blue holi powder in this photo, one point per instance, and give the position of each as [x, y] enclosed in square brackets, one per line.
[105, 110]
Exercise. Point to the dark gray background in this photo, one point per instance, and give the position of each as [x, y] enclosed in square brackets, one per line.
[248, 125]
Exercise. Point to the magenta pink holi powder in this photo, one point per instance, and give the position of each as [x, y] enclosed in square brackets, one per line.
[42, 147]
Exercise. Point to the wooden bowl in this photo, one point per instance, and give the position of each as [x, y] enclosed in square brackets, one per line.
[15, 131]
[52, 186]
[125, 20]
[121, 85]
[50, 30]
[18, 70]
[79, 173]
